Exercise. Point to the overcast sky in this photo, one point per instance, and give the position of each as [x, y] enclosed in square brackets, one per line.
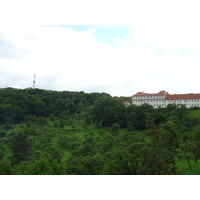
[119, 60]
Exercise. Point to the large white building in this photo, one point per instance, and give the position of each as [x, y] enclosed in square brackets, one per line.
[163, 98]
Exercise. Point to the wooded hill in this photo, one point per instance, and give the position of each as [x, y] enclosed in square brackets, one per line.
[51, 132]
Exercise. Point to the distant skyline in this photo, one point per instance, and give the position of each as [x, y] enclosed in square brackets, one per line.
[120, 60]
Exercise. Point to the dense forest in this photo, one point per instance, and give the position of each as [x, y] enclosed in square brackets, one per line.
[46, 132]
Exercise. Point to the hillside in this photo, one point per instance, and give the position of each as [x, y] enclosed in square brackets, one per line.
[194, 113]
[50, 132]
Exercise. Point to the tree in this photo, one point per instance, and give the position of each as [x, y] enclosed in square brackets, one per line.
[5, 168]
[187, 150]
[55, 154]
[130, 127]
[21, 148]
[168, 141]
[121, 162]
[107, 111]
[152, 128]
[182, 111]
[92, 165]
[158, 157]
[2, 149]
[81, 107]
[196, 137]
[115, 128]
[41, 167]
[131, 114]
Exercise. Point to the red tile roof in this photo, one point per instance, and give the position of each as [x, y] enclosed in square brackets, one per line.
[149, 94]
[182, 96]
[126, 101]
[170, 96]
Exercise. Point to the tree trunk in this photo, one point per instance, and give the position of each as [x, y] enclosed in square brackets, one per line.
[189, 163]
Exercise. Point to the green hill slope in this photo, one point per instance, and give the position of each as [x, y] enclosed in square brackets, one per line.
[194, 113]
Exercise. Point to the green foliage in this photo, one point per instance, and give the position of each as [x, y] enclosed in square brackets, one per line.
[130, 126]
[107, 111]
[21, 148]
[187, 149]
[121, 162]
[158, 157]
[92, 165]
[16, 104]
[10, 114]
[115, 128]
[49, 132]
[2, 133]
[194, 113]
[70, 143]
[5, 168]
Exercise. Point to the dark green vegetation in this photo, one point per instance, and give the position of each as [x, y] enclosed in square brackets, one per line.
[50, 132]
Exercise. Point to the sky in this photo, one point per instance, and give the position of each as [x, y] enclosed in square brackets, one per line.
[117, 59]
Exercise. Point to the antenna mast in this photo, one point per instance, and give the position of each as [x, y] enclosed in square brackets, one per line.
[34, 81]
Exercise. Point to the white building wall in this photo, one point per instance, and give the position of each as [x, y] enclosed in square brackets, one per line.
[187, 102]
[159, 100]
[154, 100]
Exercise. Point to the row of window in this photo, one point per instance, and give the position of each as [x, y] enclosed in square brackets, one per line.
[143, 97]
[170, 101]
[190, 100]
[158, 100]
[189, 105]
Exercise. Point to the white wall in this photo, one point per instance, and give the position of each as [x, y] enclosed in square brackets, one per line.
[159, 100]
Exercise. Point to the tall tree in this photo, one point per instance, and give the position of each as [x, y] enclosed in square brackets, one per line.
[187, 149]
[158, 157]
[21, 148]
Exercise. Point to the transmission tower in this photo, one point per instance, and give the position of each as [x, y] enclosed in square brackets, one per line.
[34, 81]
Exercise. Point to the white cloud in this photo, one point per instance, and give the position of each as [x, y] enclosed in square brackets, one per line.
[147, 58]
[165, 37]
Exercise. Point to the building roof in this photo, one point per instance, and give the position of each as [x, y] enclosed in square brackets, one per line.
[182, 96]
[149, 94]
[126, 101]
[171, 96]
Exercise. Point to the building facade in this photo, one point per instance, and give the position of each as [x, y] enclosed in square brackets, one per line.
[163, 98]
[127, 103]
